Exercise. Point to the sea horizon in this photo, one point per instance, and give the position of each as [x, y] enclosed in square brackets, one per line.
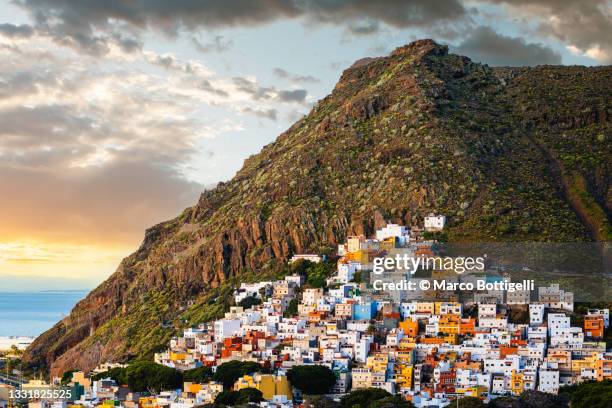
[31, 313]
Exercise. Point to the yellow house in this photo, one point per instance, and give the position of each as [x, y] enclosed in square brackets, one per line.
[404, 356]
[177, 356]
[450, 338]
[387, 244]
[403, 375]
[589, 362]
[449, 324]
[361, 256]
[353, 243]
[192, 387]
[362, 378]
[79, 377]
[443, 308]
[517, 385]
[378, 362]
[268, 384]
[408, 343]
[604, 368]
[474, 391]
[147, 402]
[425, 307]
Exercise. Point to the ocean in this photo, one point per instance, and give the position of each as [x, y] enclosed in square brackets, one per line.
[30, 314]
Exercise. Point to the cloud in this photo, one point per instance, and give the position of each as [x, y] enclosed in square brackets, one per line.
[93, 26]
[16, 31]
[281, 73]
[218, 44]
[295, 95]
[257, 92]
[584, 25]
[91, 154]
[112, 202]
[271, 114]
[484, 45]
[367, 27]
[97, 149]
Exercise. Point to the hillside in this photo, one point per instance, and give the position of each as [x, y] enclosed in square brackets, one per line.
[507, 154]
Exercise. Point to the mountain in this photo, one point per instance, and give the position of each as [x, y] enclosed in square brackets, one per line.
[508, 154]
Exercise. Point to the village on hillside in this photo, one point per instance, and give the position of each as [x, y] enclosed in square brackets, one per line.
[427, 347]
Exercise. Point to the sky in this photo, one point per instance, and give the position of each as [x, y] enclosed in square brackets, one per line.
[116, 115]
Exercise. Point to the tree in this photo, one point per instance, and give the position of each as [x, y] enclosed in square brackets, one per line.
[249, 302]
[311, 379]
[244, 396]
[292, 309]
[67, 377]
[363, 398]
[539, 399]
[317, 274]
[228, 373]
[299, 267]
[116, 374]
[145, 375]
[320, 401]
[198, 375]
[470, 402]
[589, 394]
[227, 398]
[395, 401]
[248, 395]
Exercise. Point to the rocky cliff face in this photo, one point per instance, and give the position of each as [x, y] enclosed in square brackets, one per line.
[507, 154]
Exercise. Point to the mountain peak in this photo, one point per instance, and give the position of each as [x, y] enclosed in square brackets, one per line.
[421, 48]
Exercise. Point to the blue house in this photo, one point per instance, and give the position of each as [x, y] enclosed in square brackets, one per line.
[365, 311]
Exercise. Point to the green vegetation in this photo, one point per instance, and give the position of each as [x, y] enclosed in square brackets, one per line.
[589, 394]
[470, 402]
[67, 377]
[198, 375]
[143, 376]
[292, 309]
[395, 401]
[315, 273]
[530, 399]
[249, 302]
[363, 398]
[244, 396]
[228, 373]
[311, 379]
[440, 236]
[116, 374]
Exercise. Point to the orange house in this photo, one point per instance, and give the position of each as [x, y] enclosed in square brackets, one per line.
[594, 326]
[507, 350]
[431, 340]
[316, 316]
[467, 326]
[410, 328]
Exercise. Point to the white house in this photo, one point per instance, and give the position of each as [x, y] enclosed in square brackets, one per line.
[557, 321]
[307, 257]
[536, 314]
[548, 381]
[400, 232]
[434, 222]
[554, 297]
[225, 328]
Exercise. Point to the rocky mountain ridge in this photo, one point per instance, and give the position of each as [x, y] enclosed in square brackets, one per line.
[507, 154]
